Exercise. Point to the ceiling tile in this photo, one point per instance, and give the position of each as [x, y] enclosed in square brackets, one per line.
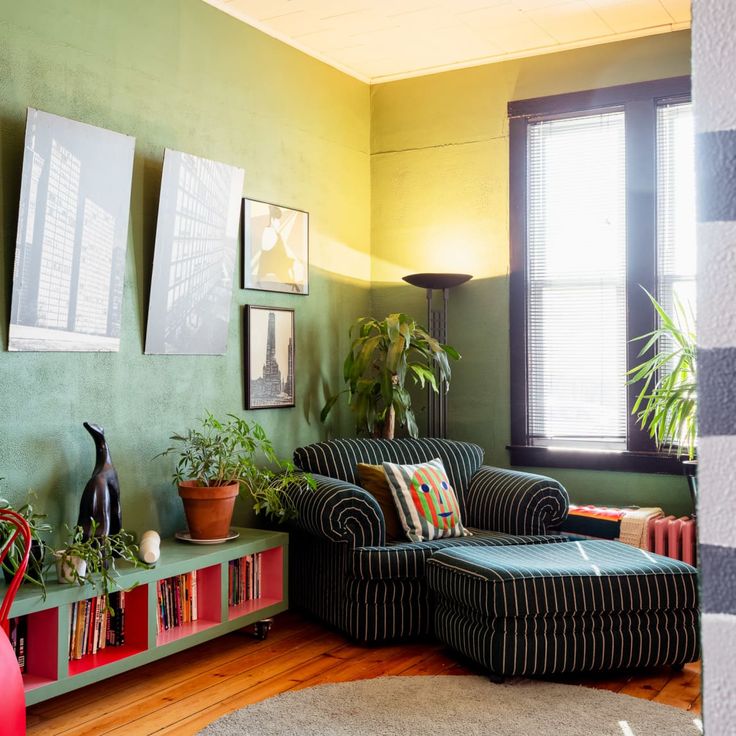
[680, 10]
[570, 21]
[624, 16]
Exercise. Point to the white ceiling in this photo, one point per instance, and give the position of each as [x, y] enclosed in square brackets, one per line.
[380, 40]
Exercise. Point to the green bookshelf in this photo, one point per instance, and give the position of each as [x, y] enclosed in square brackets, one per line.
[50, 672]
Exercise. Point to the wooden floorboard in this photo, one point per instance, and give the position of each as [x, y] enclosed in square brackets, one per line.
[183, 693]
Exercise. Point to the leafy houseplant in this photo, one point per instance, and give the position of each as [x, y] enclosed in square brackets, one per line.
[667, 403]
[94, 560]
[383, 356]
[217, 461]
[39, 528]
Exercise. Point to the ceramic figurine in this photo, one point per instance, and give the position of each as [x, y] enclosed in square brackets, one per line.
[150, 547]
[101, 497]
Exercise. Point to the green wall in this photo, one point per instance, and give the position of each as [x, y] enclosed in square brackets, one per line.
[439, 175]
[183, 75]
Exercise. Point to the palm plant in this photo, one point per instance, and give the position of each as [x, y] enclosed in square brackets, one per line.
[666, 404]
[384, 355]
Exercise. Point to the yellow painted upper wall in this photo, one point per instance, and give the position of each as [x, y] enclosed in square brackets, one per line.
[439, 147]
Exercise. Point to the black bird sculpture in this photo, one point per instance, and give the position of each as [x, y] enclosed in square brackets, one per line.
[101, 497]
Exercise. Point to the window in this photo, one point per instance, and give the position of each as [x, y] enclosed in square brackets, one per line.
[602, 204]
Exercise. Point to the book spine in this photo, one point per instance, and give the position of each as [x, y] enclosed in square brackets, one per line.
[195, 605]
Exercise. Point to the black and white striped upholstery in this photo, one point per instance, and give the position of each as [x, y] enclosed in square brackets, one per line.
[341, 568]
[578, 606]
[514, 502]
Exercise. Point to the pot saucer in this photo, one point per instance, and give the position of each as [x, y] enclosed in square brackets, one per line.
[185, 536]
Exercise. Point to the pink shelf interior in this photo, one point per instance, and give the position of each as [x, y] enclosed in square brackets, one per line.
[208, 607]
[250, 607]
[136, 635]
[272, 585]
[41, 648]
[180, 632]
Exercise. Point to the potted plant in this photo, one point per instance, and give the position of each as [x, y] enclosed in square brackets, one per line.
[217, 461]
[94, 560]
[39, 528]
[384, 355]
[667, 404]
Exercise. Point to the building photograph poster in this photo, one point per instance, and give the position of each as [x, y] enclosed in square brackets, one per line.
[270, 357]
[194, 257]
[72, 237]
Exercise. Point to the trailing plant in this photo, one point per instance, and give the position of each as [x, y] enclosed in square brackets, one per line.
[101, 555]
[39, 528]
[384, 356]
[221, 452]
[667, 403]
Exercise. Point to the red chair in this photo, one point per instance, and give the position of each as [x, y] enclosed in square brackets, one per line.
[13, 711]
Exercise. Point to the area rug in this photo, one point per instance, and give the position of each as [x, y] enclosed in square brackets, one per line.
[467, 705]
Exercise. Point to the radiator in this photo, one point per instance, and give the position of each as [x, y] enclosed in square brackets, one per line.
[673, 537]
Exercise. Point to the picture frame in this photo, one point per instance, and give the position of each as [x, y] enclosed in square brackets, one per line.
[270, 357]
[275, 248]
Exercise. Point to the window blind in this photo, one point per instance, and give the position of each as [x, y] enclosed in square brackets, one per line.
[676, 206]
[576, 288]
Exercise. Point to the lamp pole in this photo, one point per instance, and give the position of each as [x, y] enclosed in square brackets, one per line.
[437, 326]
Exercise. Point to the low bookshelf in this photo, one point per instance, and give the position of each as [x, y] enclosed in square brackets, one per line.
[158, 616]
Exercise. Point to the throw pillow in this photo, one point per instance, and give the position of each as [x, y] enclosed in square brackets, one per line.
[425, 500]
[373, 479]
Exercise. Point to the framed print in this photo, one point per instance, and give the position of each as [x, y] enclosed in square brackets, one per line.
[72, 237]
[275, 248]
[269, 335]
[195, 255]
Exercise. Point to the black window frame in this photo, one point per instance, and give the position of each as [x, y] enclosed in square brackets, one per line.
[639, 102]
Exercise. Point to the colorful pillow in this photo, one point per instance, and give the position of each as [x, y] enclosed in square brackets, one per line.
[373, 479]
[425, 500]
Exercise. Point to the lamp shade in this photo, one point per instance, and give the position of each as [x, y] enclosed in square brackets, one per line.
[437, 280]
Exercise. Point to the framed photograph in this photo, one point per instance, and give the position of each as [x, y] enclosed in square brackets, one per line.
[275, 248]
[269, 359]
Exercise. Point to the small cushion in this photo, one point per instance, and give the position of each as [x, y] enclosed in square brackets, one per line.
[574, 578]
[373, 479]
[425, 500]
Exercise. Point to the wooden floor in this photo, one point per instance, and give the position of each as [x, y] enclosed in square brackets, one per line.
[183, 693]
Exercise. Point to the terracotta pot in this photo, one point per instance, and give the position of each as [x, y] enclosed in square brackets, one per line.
[209, 509]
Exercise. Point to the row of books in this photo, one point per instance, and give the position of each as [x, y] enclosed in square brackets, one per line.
[244, 579]
[94, 626]
[18, 636]
[177, 601]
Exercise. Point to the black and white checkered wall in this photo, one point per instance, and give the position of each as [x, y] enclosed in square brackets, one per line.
[714, 85]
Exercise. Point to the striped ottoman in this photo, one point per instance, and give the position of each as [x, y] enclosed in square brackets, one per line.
[572, 607]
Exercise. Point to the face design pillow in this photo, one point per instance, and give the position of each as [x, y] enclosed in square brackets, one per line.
[425, 500]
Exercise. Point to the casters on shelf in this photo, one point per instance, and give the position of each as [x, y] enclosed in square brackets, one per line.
[261, 628]
[496, 679]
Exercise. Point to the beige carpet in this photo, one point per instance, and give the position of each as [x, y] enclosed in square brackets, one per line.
[462, 706]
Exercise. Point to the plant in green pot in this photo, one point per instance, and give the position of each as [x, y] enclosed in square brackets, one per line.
[39, 529]
[219, 460]
[666, 405]
[385, 357]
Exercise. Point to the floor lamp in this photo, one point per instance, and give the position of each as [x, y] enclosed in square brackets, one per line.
[437, 326]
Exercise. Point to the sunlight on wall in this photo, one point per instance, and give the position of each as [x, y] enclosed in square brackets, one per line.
[452, 246]
[340, 259]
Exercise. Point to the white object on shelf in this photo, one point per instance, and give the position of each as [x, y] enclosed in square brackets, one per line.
[150, 547]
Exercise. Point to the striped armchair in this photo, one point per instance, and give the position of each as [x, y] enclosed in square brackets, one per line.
[342, 569]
